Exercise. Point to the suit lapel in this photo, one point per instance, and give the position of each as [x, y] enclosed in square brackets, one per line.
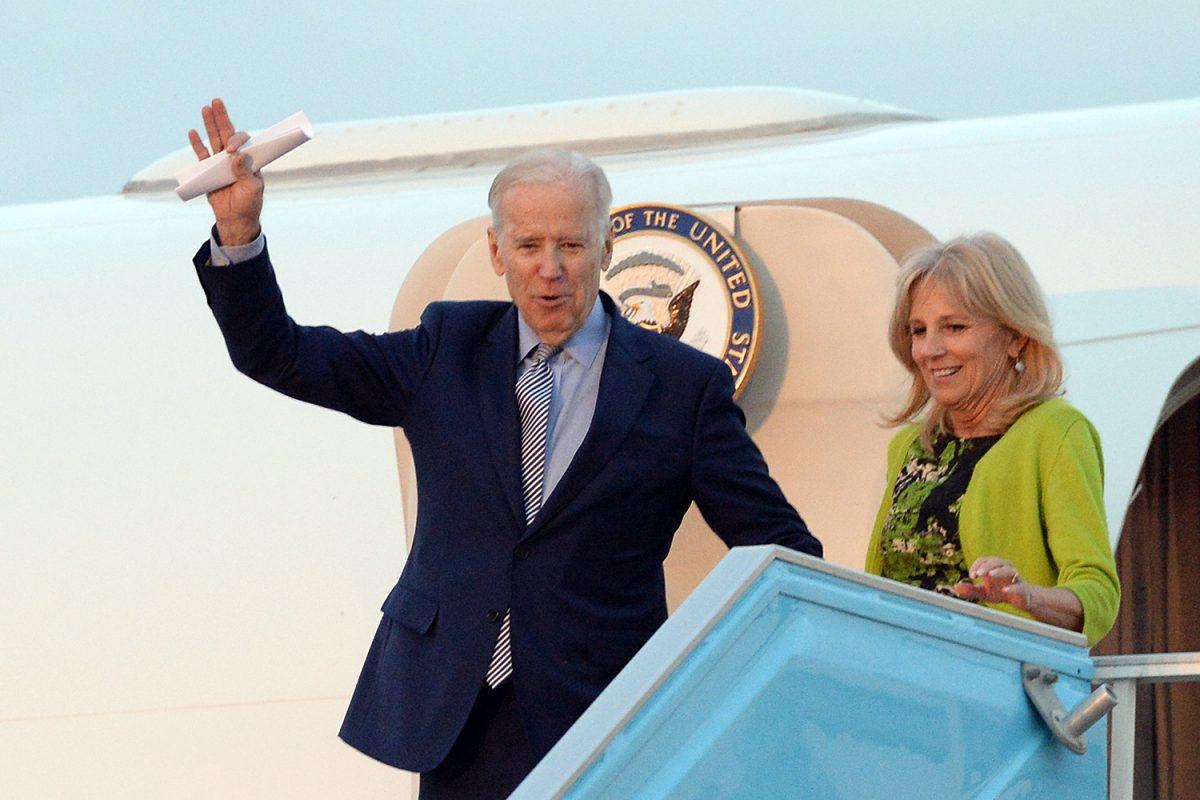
[496, 370]
[624, 384]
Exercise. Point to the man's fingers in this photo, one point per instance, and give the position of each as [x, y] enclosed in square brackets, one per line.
[236, 141]
[243, 166]
[197, 146]
[221, 116]
[210, 127]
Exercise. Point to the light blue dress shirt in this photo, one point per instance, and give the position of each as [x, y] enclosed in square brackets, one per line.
[224, 255]
[576, 372]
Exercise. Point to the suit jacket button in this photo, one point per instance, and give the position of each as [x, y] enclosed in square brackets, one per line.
[494, 615]
[522, 551]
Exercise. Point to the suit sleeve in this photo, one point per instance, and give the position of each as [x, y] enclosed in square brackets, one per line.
[1076, 530]
[371, 377]
[730, 482]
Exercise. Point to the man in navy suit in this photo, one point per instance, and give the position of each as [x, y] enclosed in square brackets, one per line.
[536, 565]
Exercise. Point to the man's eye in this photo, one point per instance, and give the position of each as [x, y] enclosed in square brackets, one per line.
[572, 245]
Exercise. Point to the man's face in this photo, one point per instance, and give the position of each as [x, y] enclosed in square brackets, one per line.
[551, 254]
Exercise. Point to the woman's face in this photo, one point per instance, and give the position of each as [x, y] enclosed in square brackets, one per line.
[963, 358]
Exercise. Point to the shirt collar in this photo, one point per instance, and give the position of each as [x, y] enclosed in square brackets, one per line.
[583, 345]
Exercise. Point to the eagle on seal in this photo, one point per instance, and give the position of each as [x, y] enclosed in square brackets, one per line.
[647, 287]
[679, 309]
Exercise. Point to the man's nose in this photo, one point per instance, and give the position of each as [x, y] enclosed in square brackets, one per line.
[550, 264]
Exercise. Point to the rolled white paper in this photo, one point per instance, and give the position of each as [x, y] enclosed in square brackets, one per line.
[263, 147]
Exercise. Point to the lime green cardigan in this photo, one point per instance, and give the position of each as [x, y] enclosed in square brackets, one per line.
[1036, 498]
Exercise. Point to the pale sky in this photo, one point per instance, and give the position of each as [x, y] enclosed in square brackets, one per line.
[92, 96]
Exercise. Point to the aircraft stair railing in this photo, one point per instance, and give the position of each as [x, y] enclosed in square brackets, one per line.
[1123, 674]
[787, 676]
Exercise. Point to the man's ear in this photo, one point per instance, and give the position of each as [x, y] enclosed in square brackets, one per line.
[608, 251]
[494, 252]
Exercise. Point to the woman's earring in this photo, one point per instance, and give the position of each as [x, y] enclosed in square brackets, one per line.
[1019, 366]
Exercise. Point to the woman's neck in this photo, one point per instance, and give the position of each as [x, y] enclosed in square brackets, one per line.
[971, 425]
[973, 417]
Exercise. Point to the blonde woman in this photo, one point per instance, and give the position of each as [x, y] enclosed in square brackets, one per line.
[995, 483]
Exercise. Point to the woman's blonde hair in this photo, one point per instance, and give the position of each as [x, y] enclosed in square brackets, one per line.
[992, 281]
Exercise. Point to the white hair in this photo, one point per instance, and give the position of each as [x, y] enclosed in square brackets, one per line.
[551, 165]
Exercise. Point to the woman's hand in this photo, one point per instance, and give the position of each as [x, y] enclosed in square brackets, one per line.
[237, 207]
[997, 581]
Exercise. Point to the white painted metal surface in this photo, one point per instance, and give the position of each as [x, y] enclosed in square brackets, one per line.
[1125, 673]
[195, 566]
[400, 146]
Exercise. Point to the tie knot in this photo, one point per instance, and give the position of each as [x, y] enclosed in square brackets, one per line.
[545, 352]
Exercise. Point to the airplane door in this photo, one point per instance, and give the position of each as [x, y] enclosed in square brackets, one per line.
[826, 271]
[824, 376]
[1157, 558]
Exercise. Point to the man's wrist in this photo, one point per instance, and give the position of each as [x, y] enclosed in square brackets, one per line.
[235, 234]
[224, 255]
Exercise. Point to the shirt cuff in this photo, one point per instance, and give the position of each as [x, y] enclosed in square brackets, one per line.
[224, 256]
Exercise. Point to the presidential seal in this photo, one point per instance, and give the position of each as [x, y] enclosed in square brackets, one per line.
[679, 274]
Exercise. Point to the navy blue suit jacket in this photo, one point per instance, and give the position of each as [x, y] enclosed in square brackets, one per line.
[584, 581]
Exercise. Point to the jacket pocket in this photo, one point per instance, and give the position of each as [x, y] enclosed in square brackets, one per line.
[615, 649]
[412, 610]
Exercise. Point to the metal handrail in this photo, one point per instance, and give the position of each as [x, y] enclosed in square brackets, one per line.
[1124, 673]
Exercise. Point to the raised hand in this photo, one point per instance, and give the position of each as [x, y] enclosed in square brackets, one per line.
[238, 206]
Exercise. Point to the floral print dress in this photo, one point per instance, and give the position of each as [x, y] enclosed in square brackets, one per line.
[920, 542]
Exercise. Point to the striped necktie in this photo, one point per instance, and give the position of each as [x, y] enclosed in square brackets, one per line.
[534, 390]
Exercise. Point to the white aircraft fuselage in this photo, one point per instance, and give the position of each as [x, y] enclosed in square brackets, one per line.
[193, 566]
